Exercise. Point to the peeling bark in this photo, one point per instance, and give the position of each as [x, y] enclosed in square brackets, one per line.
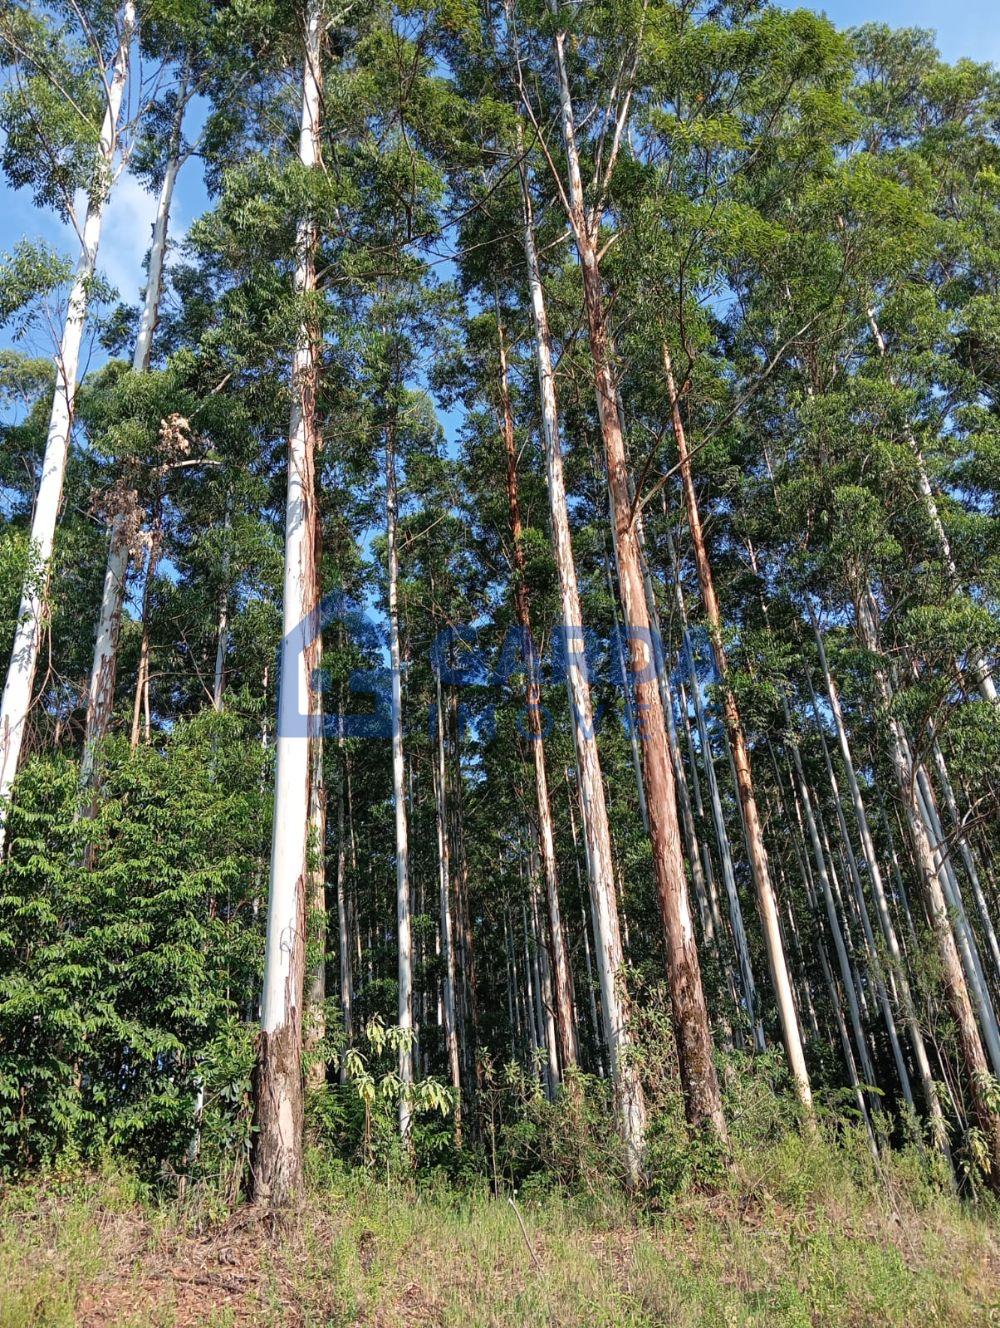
[278, 1092]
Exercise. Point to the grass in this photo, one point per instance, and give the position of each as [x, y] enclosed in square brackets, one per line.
[787, 1239]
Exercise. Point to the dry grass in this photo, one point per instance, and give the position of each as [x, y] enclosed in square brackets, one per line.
[87, 1252]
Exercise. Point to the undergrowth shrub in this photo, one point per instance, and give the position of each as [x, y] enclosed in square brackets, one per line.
[121, 977]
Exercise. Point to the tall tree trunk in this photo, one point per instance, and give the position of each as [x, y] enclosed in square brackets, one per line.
[595, 1023]
[964, 935]
[317, 914]
[630, 1102]
[872, 960]
[465, 948]
[447, 939]
[742, 946]
[20, 680]
[317, 911]
[562, 985]
[970, 1046]
[889, 936]
[344, 950]
[689, 1012]
[968, 858]
[101, 690]
[141, 700]
[843, 960]
[222, 622]
[404, 926]
[543, 982]
[630, 715]
[278, 1090]
[698, 806]
[766, 903]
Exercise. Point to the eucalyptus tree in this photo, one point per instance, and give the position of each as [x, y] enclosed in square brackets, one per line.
[160, 154]
[841, 452]
[705, 125]
[608, 112]
[65, 129]
[279, 1087]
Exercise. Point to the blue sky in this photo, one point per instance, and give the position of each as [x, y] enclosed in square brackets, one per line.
[964, 28]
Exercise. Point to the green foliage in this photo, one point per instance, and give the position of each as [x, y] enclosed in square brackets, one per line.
[122, 981]
[359, 1118]
[27, 275]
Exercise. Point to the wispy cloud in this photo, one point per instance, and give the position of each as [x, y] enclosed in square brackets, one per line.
[127, 233]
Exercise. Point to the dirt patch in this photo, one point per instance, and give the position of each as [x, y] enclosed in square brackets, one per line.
[184, 1280]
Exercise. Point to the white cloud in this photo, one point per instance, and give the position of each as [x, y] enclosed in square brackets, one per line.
[126, 237]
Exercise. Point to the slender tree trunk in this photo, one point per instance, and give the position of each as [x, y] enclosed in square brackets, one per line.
[833, 921]
[512, 1016]
[873, 961]
[17, 693]
[708, 871]
[692, 1033]
[597, 835]
[404, 926]
[595, 1023]
[747, 980]
[344, 949]
[889, 936]
[836, 1004]
[447, 941]
[968, 857]
[543, 977]
[317, 912]
[317, 915]
[970, 1046]
[222, 628]
[562, 986]
[101, 691]
[533, 1000]
[766, 903]
[964, 935]
[465, 949]
[630, 715]
[142, 675]
[278, 1089]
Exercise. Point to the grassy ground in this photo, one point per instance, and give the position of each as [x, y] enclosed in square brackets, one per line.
[783, 1242]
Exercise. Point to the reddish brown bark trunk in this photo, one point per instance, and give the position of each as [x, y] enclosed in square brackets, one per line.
[703, 1102]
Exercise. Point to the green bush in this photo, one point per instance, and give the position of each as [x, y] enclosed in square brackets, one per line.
[120, 981]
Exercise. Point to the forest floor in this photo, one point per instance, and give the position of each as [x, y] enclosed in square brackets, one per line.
[88, 1252]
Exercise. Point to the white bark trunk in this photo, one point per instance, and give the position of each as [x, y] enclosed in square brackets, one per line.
[279, 1105]
[843, 960]
[739, 753]
[101, 691]
[222, 631]
[968, 858]
[873, 961]
[344, 953]
[957, 988]
[31, 614]
[403, 919]
[447, 939]
[897, 965]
